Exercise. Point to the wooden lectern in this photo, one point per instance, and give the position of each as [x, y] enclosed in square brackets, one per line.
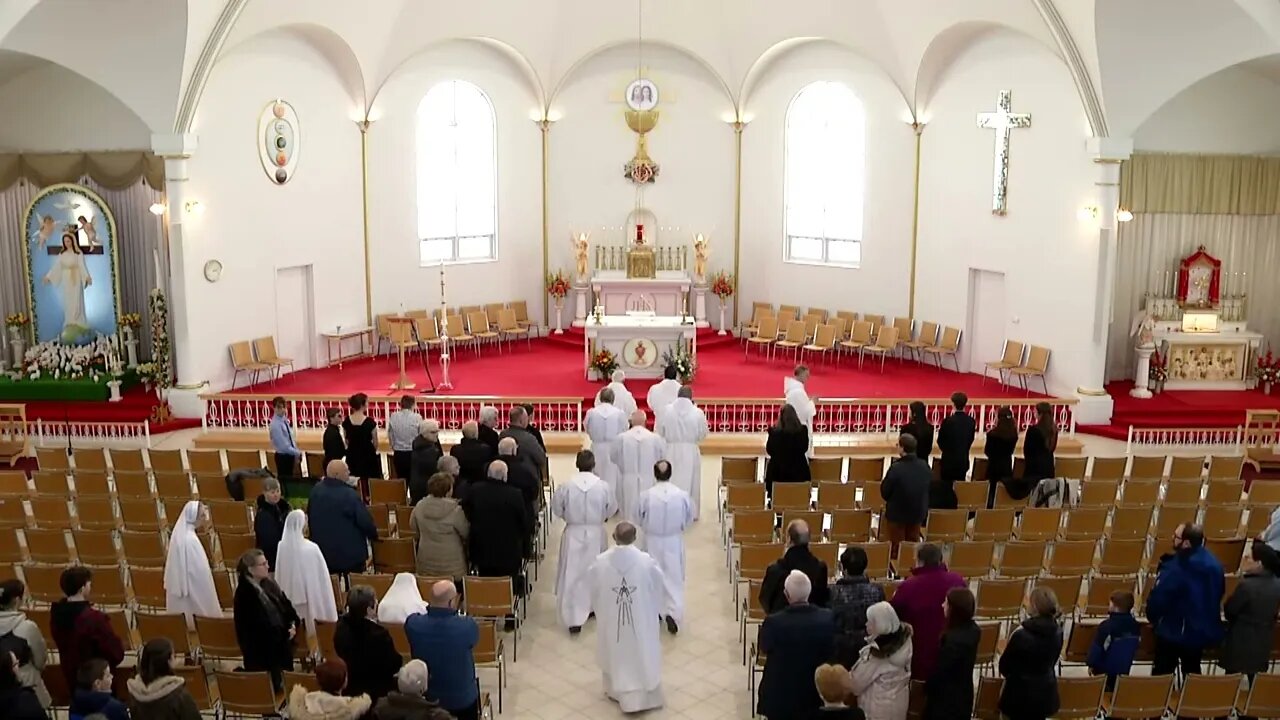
[400, 329]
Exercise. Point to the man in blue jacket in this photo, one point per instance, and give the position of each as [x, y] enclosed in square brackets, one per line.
[340, 523]
[1185, 606]
[444, 640]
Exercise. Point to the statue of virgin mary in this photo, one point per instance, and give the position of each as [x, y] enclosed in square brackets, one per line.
[70, 275]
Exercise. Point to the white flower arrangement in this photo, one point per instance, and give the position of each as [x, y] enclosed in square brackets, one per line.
[71, 362]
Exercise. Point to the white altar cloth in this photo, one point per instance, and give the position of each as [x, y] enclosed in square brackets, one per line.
[637, 341]
[666, 294]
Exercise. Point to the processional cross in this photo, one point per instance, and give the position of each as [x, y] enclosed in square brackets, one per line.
[1002, 121]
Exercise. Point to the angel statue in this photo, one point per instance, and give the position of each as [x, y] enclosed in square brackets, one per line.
[1144, 326]
[701, 251]
[580, 252]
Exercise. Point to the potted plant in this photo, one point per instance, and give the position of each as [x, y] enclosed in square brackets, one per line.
[722, 287]
[1158, 373]
[558, 287]
[680, 358]
[1267, 371]
[603, 363]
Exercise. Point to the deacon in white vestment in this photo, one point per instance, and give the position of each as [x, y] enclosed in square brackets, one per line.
[665, 513]
[303, 575]
[188, 579]
[624, 588]
[662, 394]
[604, 423]
[796, 396]
[584, 502]
[401, 601]
[683, 428]
[622, 397]
[635, 453]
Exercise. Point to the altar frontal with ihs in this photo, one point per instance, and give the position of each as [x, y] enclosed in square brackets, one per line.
[638, 286]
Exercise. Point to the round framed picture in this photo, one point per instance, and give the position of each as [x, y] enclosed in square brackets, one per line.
[642, 95]
[640, 353]
[278, 139]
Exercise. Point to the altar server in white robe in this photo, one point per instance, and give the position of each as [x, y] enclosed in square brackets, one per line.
[683, 427]
[188, 578]
[624, 588]
[584, 502]
[793, 388]
[665, 513]
[662, 394]
[401, 601]
[635, 452]
[622, 397]
[604, 423]
[302, 574]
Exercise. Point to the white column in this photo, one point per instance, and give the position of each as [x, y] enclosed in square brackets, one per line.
[1095, 405]
[1141, 374]
[184, 398]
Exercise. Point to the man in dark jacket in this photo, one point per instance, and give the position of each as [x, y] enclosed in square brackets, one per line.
[444, 640]
[1184, 605]
[905, 491]
[500, 527]
[955, 440]
[795, 640]
[340, 522]
[424, 460]
[472, 454]
[488, 423]
[531, 451]
[519, 476]
[1251, 614]
[797, 557]
[268, 521]
[533, 428]
[852, 594]
[407, 702]
[80, 631]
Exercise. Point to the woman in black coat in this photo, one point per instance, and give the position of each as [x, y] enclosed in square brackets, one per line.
[1251, 614]
[921, 429]
[371, 656]
[265, 620]
[787, 448]
[425, 459]
[1038, 447]
[1002, 440]
[1029, 661]
[949, 690]
[17, 702]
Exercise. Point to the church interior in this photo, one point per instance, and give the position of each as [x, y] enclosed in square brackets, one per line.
[206, 205]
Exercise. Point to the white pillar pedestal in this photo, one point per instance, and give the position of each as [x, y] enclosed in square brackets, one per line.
[131, 352]
[186, 403]
[1093, 409]
[580, 305]
[700, 306]
[114, 386]
[1142, 373]
[558, 308]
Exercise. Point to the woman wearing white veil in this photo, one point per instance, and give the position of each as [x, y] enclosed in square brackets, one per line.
[188, 579]
[303, 575]
[401, 601]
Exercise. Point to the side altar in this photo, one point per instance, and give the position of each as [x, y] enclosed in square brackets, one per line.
[637, 340]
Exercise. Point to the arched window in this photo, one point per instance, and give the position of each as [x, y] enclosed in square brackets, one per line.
[457, 175]
[824, 166]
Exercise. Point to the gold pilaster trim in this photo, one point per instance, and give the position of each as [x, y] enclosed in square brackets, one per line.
[918, 128]
[738, 127]
[364, 194]
[544, 125]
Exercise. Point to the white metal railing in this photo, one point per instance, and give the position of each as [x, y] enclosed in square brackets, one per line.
[53, 432]
[246, 411]
[1158, 437]
[856, 415]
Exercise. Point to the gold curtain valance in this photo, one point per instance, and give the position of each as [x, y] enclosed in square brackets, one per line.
[112, 170]
[1201, 184]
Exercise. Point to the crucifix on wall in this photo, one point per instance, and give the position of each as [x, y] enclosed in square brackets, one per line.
[1002, 121]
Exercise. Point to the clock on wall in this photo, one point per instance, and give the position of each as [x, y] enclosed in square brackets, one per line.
[213, 271]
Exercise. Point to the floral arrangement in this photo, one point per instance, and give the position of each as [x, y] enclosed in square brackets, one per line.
[604, 363]
[558, 285]
[149, 374]
[1268, 369]
[131, 320]
[684, 363]
[161, 375]
[641, 172]
[1159, 368]
[17, 320]
[69, 362]
[722, 285]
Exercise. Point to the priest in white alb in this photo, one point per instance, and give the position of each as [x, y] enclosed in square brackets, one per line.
[604, 423]
[584, 502]
[793, 388]
[624, 588]
[635, 452]
[662, 394]
[683, 427]
[665, 513]
[622, 397]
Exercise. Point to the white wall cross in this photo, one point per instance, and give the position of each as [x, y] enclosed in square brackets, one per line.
[1002, 121]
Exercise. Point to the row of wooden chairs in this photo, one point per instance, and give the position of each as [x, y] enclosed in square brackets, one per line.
[1021, 361]
[1201, 696]
[256, 357]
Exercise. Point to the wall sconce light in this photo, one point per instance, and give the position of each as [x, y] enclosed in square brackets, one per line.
[157, 208]
[194, 207]
[1123, 215]
[1088, 212]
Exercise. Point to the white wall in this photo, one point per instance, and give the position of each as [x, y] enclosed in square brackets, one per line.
[52, 109]
[398, 278]
[1047, 253]
[1232, 111]
[255, 226]
[879, 285]
[691, 143]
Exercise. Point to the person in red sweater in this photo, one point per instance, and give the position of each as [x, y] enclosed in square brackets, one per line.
[919, 602]
[80, 632]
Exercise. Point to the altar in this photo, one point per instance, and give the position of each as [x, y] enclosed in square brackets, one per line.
[1207, 360]
[666, 293]
[637, 340]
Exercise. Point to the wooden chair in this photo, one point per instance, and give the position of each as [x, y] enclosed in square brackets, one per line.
[242, 361]
[794, 339]
[53, 459]
[1208, 696]
[791, 496]
[986, 705]
[1066, 589]
[1225, 467]
[493, 598]
[454, 330]
[1072, 557]
[850, 526]
[166, 625]
[1108, 468]
[394, 555]
[1039, 524]
[1140, 697]
[246, 693]
[1263, 699]
[1098, 596]
[905, 327]
[947, 526]
[1080, 697]
[139, 515]
[834, 495]
[217, 638]
[96, 513]
[739, 496]
[1010, 358]
[387, 492]
[52, 512]
[1121, 557]
[1183, 467]
[509, 330]
[1085, 523]
[1097, 494]
[824, 341]
[1147, 467]
[972, 558]
[886, 342]
[1021, 559]
[927, 338]
[521, 309]
[1037, 365]
[766, 335]
[999, 599]
[90, 459]
[46, 546]
[228, 516]
[948, 347]
[148, 591]
[859, 337]
[971, 495]
[205, 462]
[996, 524]
[95, 547]
[478, 323]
